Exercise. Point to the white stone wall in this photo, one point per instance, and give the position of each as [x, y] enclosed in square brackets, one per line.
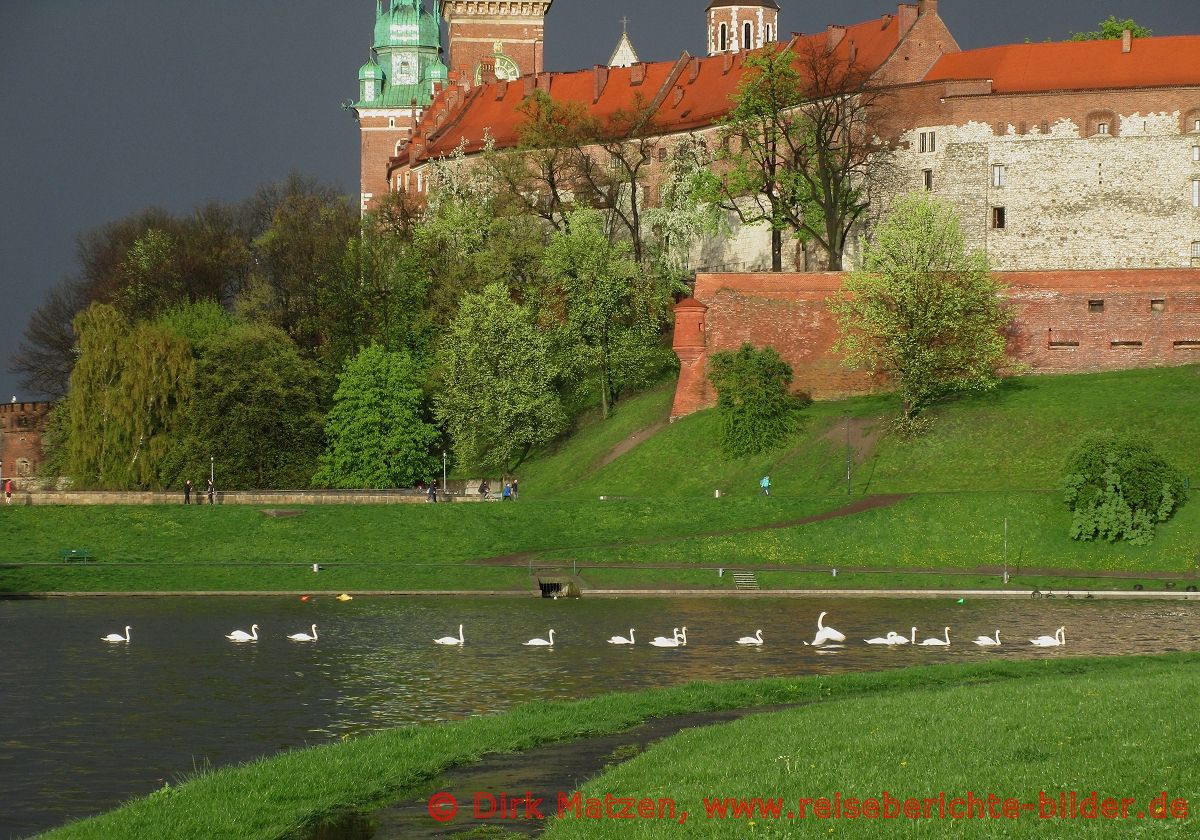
[1071, 201]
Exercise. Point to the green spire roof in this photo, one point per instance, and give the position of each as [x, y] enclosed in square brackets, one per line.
[370, 70]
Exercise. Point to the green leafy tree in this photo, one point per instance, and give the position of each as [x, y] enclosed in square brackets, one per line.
[756, 408]
[499, 377]
[1112, 29]
[796, 149]
[1119, 487]
[256, 409]
[126, 401]
[608, 300]
[376, 432]
[923, 311]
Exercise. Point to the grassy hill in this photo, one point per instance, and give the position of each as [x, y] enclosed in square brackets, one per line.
[988, 470]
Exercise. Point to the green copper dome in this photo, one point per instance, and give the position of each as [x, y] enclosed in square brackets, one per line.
[370, 70]
[405, 23]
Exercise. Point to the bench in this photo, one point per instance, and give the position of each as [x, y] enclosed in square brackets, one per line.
[69, 555]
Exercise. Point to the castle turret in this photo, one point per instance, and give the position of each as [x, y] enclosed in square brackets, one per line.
[503, 36]
[740, 25]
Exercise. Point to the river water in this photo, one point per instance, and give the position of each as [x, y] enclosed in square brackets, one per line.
[84, 725]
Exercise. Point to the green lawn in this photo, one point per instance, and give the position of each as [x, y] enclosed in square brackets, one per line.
[993, 727]
[1048, 733]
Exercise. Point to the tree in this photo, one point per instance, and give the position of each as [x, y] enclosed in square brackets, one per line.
[757, 410]
[256, 410]
[1119, 487]
[796, 148]
[923, 311]
[126, 402]
[499, 372]
[376, 432]
[679, 220]
[1112, 29]
[47, 351]
[597, 279]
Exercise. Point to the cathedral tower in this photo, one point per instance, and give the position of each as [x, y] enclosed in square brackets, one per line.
[395, 85]
[740, 25]
[500, 38]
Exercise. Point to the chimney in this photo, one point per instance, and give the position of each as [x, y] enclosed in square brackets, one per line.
[693, 69]
[530, 83]
[599, 81]
[543, 81]
[884, 21]
[835, 34]
[1126, 41]
[927, 7]
[726, 62]
[907, 14]
[637, 73]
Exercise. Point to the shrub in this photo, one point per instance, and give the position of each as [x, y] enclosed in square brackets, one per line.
[756, 409]
[1119, 487]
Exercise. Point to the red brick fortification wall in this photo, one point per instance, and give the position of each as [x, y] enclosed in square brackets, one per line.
[21, 426]
[1064, 322]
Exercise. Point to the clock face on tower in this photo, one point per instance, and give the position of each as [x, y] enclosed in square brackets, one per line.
[404, 68]
[506, 69]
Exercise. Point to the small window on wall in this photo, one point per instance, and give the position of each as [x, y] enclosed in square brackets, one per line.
[1196, 192]
[747, 36]
[928, 141]
[1158, 305]
[1102, 128]
[1118, 344]
[723, 38]
[767, 33]
[1196, 153]
[1196, 250]
[1095, 306]
[999, 218]
[1196, 125]
[927, 176]
[998, 175]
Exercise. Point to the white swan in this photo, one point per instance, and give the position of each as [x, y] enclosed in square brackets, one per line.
[243, 636]
[826, 634]
[662, 641]
[304, 637]
[756, 639]
[1057, 640]
[542, 642]
[939, 642]
[116, 637]
[452, 640]
[988, 641]
[900, 640]
[883, 640]
[679, 641]
[621, 640]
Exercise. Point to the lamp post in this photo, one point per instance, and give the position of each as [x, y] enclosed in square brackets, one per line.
[848, 462]
[444, 491]
[212, 467]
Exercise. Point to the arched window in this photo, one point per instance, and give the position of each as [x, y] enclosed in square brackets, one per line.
[747, 36]
[767, 34]
[723, 38]
[24, 468]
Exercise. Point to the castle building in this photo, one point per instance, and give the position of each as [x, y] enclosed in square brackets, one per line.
[741, 25]
[21, 426]
[1074, 166]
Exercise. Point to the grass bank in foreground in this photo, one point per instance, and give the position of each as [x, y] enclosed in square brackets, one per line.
[277, 797]
[1054, 733]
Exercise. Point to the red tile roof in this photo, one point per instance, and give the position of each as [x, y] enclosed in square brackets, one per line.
[705, 98]
[1077, 65]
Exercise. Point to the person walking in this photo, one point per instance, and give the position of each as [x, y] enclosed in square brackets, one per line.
[187, 492]
[484, 490]
[765, 485]
[433, 492]
[8, 491]
[212, 491]
[514, 489]
[507, 496]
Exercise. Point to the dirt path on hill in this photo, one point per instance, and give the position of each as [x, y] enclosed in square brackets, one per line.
[630, 442]
[862, 505]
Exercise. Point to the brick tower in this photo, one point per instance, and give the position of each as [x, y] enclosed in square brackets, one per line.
[500, 38]
[395, 85]
[740, 25]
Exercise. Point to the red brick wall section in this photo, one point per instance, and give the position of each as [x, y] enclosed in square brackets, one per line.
[21, 427]
[1064, 322]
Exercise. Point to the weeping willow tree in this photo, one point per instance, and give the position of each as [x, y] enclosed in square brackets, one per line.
[127, 397]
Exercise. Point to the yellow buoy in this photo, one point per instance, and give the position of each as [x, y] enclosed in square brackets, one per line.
[345, 597]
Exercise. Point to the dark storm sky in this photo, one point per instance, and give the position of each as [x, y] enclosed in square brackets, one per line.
[108, 107]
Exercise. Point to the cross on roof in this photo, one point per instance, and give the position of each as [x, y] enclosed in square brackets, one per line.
[624, 24]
